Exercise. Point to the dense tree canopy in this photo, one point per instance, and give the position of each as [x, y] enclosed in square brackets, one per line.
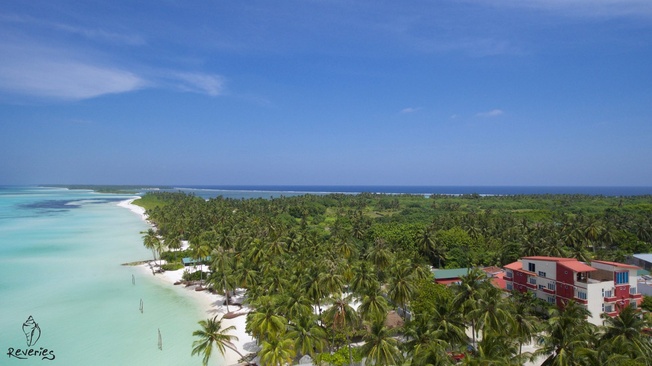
[352, 258]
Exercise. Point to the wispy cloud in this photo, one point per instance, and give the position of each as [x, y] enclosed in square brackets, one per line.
[491, 113]
[583, 8]
[410, 110]
[209, 84]
[38, 71]
[94, 34]
[44, 73]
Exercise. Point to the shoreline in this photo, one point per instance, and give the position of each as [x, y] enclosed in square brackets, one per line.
[209, 304]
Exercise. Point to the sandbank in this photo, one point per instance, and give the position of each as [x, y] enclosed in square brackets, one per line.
[210, 304]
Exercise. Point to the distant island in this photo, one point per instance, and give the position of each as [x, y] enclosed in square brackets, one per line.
[116, 189]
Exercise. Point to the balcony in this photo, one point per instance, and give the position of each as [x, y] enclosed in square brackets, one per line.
[635, 296]
[581, 301]
[610, 299]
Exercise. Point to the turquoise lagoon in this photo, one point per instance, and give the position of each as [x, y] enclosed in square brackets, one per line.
[60, 262]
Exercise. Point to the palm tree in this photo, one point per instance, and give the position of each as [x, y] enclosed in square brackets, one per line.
[211, 334]
[373, 305]
[448, 321]
[364, 278]
[624, 334]
[495, 349]
[309, 338]
[380, 347]
[426, 241]
[567, 332]
[524, 325]
[341, 316]
[277, 351]
[380, 255]
[264, 323]
[201, 251]
[151, 240]
[431, 353]
[294, 304]
[331, 280]
[401, 284]
[469, 292]
[492, 314]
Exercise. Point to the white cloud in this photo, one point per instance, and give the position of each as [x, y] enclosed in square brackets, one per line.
[491, 113]
[209, 84]
[410, 110]
[46, 73]
[37, 71]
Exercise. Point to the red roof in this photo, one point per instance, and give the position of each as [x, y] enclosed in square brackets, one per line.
[514, 265]
[448, 281]
[553, 259]
[577, 266]
[499, 282]
[518, 266]
[492, 270]
[616, 264]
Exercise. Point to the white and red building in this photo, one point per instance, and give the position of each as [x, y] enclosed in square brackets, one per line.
[603, 287]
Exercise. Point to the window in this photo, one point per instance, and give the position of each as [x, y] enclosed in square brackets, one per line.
[542, 287]
[530, 267]
[509, 286]
[622, 277]
[508, 273]
[551, 286]
[551, 299]
[607, 308]
[532, 280]
[581, 295]
[606, 293]
[542, 274]
[632, 290]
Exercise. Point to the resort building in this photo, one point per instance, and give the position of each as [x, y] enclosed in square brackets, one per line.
[603, 287]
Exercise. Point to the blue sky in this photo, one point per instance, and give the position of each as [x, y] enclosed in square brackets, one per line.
[475, 92]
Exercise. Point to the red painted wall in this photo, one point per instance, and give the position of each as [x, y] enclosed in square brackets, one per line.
[622, 291]
[520, 277]
[565, 282]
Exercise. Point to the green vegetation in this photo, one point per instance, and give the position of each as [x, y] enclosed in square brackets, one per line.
[172, 266]
[293, 254]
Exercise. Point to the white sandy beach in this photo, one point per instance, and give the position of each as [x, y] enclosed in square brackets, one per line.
[212, 304]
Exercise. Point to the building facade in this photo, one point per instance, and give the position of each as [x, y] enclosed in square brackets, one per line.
[602, 287]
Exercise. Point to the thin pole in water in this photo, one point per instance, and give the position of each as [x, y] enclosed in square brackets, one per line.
[160, 340]
[133, 280]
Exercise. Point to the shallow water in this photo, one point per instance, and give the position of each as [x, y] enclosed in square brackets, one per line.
[60, 256]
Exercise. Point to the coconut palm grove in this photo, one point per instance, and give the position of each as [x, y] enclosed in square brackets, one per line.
[348, 278]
